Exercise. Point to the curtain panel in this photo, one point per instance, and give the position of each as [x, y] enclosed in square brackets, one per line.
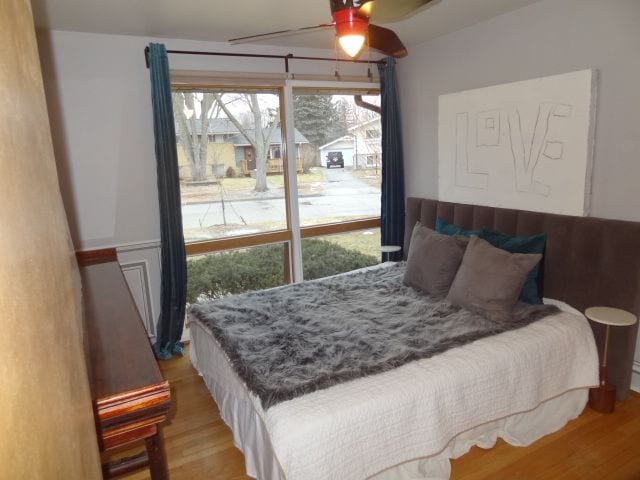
[173, 259]
[392, 199]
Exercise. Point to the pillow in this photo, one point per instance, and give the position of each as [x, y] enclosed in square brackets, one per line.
[532, 288]
[433, 260]
[489, 279]
[442, 226]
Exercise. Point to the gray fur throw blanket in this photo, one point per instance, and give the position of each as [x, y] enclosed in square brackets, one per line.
[292, 340]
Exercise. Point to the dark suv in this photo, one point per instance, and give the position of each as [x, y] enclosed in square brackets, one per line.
[335, 158]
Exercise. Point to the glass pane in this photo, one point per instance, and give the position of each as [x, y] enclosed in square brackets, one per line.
[333, 254]
[231, 169]
[216, 275]
[338, 158]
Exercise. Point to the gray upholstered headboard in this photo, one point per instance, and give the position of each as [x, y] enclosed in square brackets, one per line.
[588, 261]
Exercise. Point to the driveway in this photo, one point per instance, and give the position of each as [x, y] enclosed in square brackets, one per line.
[344, 196]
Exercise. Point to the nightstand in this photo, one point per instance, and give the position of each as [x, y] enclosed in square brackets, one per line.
[602, 399]
[387, 250]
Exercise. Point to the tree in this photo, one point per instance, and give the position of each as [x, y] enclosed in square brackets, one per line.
[257, 130]
[192, 131]
[318, 118]
[360, 115]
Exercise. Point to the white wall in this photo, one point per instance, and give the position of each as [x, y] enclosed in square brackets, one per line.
[545, 38]
[99, 99]
[99, 102]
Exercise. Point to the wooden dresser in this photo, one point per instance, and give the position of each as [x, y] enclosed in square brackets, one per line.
[130, 397]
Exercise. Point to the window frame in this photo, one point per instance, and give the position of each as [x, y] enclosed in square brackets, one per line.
[293, 234]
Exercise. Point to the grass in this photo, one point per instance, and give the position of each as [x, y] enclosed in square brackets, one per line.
[369, 175]
[243, 187]
[363, 241]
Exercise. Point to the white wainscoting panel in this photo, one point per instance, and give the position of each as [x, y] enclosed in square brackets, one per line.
[140, 263]
[137, 277]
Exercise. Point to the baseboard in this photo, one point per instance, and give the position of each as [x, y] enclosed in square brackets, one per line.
[635, 376]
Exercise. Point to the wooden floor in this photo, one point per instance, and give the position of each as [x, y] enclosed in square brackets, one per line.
[594, 446]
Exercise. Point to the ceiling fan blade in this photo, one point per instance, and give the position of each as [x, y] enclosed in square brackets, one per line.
[280, 33]
[393, 10]
[386, 41]
[364, 7]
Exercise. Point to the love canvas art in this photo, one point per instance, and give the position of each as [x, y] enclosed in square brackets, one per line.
[525, 145]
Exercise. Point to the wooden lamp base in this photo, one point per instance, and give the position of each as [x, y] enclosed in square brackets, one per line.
[603, 398]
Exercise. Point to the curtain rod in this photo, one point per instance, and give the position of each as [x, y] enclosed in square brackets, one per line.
[286, 58]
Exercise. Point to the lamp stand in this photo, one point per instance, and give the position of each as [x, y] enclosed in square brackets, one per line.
[603, 398]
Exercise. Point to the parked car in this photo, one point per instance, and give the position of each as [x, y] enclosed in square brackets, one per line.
[335, 158]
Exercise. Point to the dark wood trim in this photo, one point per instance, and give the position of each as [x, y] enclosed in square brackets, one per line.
[157, 460]
[125, 465]
[279, 236]
[207, 246]
[342, 227]
[91, 257]
[129, 395]
[343, 89]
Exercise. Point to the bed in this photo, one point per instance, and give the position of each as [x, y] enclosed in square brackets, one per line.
[408, 422]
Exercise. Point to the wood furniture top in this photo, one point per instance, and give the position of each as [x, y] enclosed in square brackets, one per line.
[130, 395]
[610, 316]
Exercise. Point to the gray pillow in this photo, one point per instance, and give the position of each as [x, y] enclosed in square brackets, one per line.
[433, 260]
[489, 279]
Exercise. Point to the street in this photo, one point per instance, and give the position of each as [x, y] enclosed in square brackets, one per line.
[344, 196]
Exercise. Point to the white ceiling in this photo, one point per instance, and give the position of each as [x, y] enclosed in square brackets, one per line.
[219, 20]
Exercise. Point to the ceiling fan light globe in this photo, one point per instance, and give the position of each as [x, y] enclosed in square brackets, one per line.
[352, 44]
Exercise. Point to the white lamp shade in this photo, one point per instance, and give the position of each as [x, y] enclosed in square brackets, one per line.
[351, 44]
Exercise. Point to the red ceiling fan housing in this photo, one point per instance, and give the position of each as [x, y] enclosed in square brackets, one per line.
[348, 22]
[351, 19]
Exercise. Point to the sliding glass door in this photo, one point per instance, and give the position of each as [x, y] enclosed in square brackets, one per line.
[339, 209]
[277, 184]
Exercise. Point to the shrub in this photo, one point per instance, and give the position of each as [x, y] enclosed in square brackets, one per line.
[217, 275]
[321, 258]
[230, 173]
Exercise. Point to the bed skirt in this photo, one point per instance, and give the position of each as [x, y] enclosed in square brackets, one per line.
[250, 435]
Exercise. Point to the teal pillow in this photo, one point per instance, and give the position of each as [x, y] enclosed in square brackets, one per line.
[532, 289]
[442, 226]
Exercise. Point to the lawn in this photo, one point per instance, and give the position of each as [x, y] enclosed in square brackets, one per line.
[243, 187]
[363, 241]
[371, 176]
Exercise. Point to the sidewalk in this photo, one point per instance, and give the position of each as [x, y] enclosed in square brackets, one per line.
[191, 194]
[242, 189]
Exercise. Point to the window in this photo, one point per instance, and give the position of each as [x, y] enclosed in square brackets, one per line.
[372, 133]
[274, 152]
[334, 183]
[228, 185]
[243, 213]
[214, 275]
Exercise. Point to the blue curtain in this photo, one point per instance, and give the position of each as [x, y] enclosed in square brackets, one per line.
[392, 201]
[174, 264]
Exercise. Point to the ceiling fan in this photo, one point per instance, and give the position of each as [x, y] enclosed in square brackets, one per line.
[351, 20]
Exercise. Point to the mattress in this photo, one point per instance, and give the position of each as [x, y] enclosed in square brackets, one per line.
[407, 423]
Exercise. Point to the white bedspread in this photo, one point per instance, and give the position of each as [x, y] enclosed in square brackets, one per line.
[359, 428]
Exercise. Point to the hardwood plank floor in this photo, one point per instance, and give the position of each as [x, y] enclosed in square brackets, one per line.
[593, 447]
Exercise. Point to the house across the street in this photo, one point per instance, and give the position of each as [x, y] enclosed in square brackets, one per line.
[228, 147]
[360, 147]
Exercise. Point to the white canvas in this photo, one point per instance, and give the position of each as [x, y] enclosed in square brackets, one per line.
[525, 145]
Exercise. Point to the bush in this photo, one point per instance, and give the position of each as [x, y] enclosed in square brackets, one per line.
[217, 275]
[321, 258]
[230, 173]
